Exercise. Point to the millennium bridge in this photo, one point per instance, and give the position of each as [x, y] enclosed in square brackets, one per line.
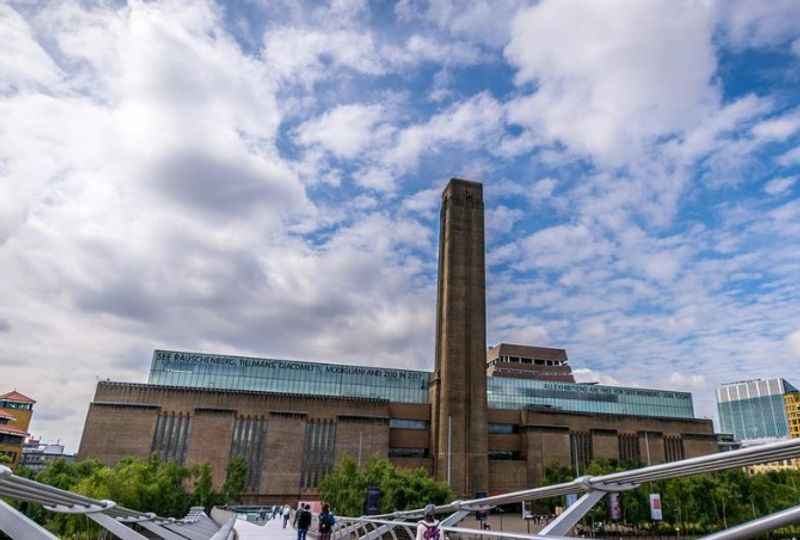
[127, 524]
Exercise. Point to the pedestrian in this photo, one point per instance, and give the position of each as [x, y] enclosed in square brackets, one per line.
[428, 528]
[287, 513]
[326, 523]
[302, 520]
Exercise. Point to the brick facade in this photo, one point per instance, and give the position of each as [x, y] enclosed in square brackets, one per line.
[122, 421]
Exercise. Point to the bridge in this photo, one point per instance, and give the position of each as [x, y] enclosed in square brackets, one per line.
[128, 524]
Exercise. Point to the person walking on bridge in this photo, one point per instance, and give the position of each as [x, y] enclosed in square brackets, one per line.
[326, 523]
[428, 528]
[287, 513]
[302, 520]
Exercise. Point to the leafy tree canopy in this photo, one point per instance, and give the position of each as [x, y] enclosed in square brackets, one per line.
[345, 487]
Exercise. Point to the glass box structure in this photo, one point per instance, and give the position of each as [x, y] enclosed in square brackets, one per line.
[512, 393]
[754, 409]
[201, 370]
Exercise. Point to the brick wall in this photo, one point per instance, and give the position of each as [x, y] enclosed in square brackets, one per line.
[116, 431]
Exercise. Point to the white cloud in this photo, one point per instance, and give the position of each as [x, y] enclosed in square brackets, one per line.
[687, 382]
[790, 157]
[587, 375]
[501, 219]
[23, 62]
[421, 48]
[481, 21]
[777, 186]
[793, 341]
[425, 202]
[778, 128]
[542, 190]
[758, 24]
[563, 245]
[300, 54]
[611, 78]
[345, 130]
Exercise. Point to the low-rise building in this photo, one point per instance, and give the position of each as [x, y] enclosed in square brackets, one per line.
[16, 410]
[37, 455]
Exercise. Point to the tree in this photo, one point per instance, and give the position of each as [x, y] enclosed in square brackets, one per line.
[235, 480]
[203, 494]
[345, 487]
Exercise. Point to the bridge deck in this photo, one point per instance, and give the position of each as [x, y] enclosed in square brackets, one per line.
[273, 530]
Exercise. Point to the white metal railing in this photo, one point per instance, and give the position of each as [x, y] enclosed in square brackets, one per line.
[593, 489]
[114, 518]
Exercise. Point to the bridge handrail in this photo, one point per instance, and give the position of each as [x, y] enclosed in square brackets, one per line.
[621, 481]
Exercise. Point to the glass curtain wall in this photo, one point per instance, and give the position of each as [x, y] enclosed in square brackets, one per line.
[508, 393]
[268, 375]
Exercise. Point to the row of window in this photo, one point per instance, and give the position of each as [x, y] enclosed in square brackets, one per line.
[523, 360]
[402, 423]
[11, 439]
[503, 428]
[409, 452]
[15, 405]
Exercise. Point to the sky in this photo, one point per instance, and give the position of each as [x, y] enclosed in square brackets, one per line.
[264, 177]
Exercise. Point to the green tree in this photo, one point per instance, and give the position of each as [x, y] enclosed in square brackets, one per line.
[235, 480]
[345, 487]
[203, 493]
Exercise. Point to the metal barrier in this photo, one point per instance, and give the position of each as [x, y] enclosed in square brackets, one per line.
[116, 519]
[593, 489]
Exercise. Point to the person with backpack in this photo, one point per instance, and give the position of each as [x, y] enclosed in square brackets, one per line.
[428, 528]
[302, 520]
[326, 523]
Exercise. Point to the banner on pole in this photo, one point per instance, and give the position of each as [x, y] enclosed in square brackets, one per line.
[614, 507]
[655, 507]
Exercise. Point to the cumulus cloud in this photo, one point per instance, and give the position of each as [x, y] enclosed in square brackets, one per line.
[268, 182]
[23, 63]
[611, 78]
[345, 130]
[758, 24]
[564, 245]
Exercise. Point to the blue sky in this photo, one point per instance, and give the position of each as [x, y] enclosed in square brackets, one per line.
[264, 178]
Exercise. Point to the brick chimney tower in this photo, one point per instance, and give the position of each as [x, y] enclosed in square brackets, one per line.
[458, 393]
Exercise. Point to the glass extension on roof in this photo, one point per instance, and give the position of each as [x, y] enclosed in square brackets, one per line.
[201, 370]
[512, 393]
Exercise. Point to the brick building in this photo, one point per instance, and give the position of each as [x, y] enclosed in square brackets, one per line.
[482, 422]
[16, 410]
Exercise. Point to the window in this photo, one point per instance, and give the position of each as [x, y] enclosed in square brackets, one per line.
[503, 428]
[673, 448]
[402, 423]
[409, 452]
[247, 443]
[171, 437]
[319, 449]
[504, 455]
[580, 449]
[629, 448]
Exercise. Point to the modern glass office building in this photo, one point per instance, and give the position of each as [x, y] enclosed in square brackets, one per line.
[513, 393]
[198, 370]
[754, 409]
